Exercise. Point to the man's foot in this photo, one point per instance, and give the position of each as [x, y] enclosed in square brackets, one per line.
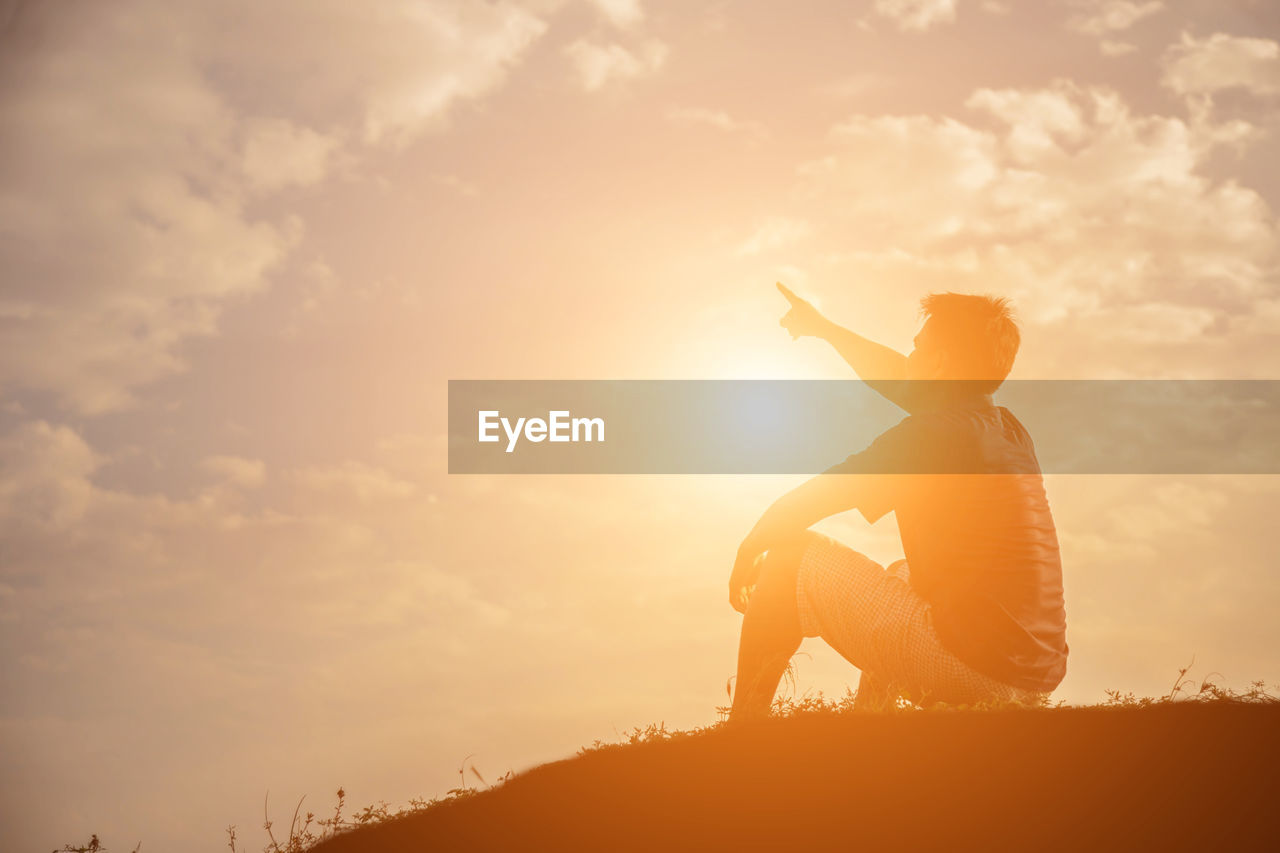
[738, 716]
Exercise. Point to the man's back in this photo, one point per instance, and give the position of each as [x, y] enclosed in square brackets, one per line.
[977, 533]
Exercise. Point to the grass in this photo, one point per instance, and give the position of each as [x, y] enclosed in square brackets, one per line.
[307, 829]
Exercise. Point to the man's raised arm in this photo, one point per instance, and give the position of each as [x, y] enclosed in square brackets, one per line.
[881, 367]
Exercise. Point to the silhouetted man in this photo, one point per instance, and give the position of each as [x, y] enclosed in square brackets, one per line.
[974, 612]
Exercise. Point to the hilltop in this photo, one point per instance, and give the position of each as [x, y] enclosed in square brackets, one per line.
[1181, 775]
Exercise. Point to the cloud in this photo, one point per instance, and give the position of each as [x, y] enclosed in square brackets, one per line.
[623, 14]
[366, 483]
[774, 233]
[135, 619]
[1104, 17]
[236, 470]
[917, 14]
[717, 119]
[387, 70]
[137, 136]
[1116, 48]
[1089, 215]
[855, 85]
[1120, 538]
[901, 155]
[1220, 61]
[448, 53]
[459, 185]
[125, 236]
[45, 476]
[597, 65]
[138, 620]
[278, 153]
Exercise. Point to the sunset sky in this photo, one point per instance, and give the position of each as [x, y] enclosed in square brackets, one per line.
[244, 246]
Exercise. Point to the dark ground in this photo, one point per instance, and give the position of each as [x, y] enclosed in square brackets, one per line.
[1202, 776]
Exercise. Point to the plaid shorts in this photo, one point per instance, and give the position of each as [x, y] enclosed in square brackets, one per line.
[875, 619]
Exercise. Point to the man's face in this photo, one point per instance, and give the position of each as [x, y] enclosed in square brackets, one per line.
[926, 360]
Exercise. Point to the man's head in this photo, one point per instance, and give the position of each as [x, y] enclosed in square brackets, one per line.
[965, 337]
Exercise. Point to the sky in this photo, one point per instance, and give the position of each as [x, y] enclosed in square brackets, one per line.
[244, 246]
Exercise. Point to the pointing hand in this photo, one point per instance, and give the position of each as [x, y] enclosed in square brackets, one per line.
[802, 319]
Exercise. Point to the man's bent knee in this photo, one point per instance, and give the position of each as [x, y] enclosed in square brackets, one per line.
[784, 559]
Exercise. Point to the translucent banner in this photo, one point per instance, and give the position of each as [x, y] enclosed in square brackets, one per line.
[804, 427]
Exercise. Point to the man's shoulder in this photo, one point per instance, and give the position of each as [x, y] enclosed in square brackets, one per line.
[974, 420]
[978, 439]
[950, 424]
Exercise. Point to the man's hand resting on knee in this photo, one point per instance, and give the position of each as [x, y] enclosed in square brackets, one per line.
[746, 571]
[783, 526]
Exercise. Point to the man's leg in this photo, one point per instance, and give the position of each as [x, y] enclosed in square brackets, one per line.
[874, 693]
[770, 633]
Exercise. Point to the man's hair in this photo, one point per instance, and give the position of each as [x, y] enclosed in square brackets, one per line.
[978, 335]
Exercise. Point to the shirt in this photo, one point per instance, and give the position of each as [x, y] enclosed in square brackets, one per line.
[963, 478]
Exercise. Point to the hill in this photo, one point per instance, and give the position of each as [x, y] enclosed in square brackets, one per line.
[1170, 776]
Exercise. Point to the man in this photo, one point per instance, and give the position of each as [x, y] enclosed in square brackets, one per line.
[975, 612]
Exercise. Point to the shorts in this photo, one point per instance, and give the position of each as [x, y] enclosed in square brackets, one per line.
[875, 619]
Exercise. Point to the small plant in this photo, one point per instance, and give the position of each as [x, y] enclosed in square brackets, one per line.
[1186, 689]
[309, 830]
[93, 845]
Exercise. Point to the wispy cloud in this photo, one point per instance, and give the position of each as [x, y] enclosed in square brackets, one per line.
[1219, 62]
[774, 233]
[1103, 19]
[278, 153]
[46, 475]
[362, 482]
[623, 14]
[855, 85]
[597, 65]
[717, 119]
[917, 15]
[236, 470]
